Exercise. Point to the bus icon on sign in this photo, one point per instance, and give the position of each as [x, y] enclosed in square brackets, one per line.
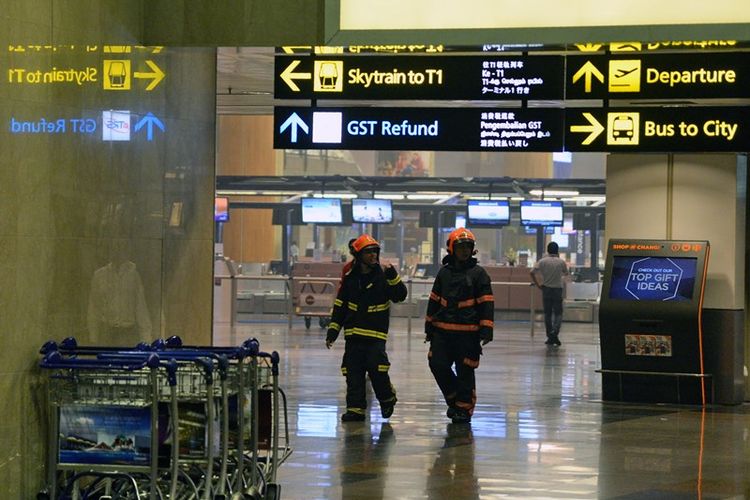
[622, 129]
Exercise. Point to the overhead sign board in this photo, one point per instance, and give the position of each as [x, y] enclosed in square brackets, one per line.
[658, 76]
[435, 129]
[698, 129]
[681, 129]
[419, 77]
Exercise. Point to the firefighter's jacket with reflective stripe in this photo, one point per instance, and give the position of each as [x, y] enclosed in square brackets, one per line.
[461, 300]
[362, 306]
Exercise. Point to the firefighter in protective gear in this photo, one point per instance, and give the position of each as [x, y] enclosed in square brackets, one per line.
[362, 310]
[459, 321]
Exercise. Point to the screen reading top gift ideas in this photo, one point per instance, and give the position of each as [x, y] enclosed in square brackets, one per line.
[653, 278]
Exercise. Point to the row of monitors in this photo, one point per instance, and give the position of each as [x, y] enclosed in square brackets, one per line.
[376, 211]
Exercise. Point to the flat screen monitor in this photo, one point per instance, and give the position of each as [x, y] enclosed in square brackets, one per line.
[487, 212]
[460, 220]
[221, 209]
[653, 278]
[372, 211]
[321, 211]
[541, 213]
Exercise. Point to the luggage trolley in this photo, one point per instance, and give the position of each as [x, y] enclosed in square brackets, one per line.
[314, 298]
[104, 425]
[254, 380]
[244, 373]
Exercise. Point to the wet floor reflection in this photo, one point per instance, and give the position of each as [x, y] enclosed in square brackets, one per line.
[540, 429]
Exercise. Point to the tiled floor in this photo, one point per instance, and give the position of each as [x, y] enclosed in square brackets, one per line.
[540, 429]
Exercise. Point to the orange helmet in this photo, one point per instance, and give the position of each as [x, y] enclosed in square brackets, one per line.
[460, 235]
[363, 242]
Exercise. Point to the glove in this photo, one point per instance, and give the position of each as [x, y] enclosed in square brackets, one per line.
[331, 337]
[485, 335]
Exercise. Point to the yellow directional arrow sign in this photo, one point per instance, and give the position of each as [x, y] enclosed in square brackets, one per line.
[294, 49]
[589, 47]
[156, 75]
[594, 129]
[587, 71]
[288, 75]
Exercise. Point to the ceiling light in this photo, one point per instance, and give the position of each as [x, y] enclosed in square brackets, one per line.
[553, 192]
[344, 196]
[428, 196]
[389, 196]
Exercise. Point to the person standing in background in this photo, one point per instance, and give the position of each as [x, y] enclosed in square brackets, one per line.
[548, 274]
[293, 253]
[459, 321]
[117, 311]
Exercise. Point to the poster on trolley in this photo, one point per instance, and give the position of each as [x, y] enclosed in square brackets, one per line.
[105, 435]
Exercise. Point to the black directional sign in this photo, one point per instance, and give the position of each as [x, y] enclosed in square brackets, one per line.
[698, 129]
[658, 76]
[488, 77]
[435, 129]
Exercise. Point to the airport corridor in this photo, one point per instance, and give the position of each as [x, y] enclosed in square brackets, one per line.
[540, 429]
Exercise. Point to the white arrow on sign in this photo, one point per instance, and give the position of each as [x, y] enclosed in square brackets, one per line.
[294, 121]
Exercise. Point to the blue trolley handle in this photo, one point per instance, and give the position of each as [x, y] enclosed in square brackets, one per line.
[55, 360]
[206, 364]
[275, 359]
[249, 347]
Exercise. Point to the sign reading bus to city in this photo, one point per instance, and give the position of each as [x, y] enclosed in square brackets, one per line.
[651, 129]
[419, 77]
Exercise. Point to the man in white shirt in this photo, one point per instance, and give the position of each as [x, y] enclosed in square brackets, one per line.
[117, 311]
[548, 274]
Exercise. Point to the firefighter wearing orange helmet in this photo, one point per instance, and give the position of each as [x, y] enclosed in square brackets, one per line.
[362, 311]
[459, 321]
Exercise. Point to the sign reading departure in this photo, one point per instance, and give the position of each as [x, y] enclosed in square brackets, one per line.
[435, 129]
[419, 77]
[699, 129]
[658, 76]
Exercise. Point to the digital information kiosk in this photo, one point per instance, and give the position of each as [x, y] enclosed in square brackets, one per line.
[650, 322]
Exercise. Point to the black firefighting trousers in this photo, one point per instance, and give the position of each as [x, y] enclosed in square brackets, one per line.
[460, 350]
[366, 358]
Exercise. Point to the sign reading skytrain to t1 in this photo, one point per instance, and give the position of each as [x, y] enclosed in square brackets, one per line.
[419, 77]
[659, 76]
[434, 129]
[699, 129]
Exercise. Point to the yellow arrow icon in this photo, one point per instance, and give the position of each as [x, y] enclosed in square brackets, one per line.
[588, 70]
[294, 49]
[288, 75]
[588, 47]
[594, 129]
[156, 74]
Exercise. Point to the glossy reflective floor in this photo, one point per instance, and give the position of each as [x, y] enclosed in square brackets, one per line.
[540, 429]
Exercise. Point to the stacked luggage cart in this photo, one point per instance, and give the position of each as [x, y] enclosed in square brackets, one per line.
[164, 421]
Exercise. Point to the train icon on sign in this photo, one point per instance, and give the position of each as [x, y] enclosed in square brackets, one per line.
[328, 76]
